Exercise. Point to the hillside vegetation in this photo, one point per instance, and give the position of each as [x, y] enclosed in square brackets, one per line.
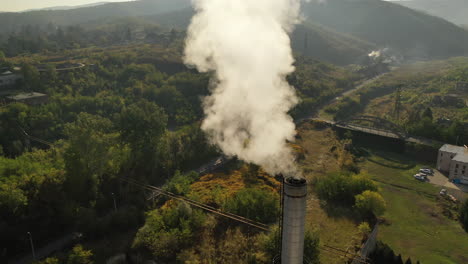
[453, 10]
[340, 32]
[433, 100]
[411, 33]
[13, 21]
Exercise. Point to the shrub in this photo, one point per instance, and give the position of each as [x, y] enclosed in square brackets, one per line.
[255, 204]
[79, 255]
[364, 229]
[342, 188]
[180, 183]
[370, 203]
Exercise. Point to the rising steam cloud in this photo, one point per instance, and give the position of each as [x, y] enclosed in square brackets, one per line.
[245, 43]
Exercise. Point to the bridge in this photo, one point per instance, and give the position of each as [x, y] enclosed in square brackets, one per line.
[380, 127]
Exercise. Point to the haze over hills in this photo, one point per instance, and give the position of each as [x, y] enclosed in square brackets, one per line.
[455, 11]
[309, 39]
[337, 31]
[66, 7]
[13, 21]
[412, 33]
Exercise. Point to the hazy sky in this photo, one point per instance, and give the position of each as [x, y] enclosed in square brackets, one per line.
[20, 5]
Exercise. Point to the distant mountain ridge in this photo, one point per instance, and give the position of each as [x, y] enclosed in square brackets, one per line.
[64, 7]
[455, 11]
[337, 31]
[13, 21]
[413, 34]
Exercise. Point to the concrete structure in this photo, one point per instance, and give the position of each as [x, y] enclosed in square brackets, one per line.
[8, 78]
[32, 98]
[294, 212]
[454, 161]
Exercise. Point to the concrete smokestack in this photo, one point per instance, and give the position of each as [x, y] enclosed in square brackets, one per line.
[294, 212]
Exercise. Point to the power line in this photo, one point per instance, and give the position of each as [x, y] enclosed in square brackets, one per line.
[238, 218]
[205, 207]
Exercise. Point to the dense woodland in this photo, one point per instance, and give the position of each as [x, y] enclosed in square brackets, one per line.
[134, 111]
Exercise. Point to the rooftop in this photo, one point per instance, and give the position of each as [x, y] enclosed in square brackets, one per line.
[6, 73]
[24, 96]
[461, 157]
[452, 149]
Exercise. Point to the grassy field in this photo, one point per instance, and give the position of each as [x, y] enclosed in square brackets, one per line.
[415, 225]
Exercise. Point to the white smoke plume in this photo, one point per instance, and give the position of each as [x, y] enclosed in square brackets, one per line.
[245, 43]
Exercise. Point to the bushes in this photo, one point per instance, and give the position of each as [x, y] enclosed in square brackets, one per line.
[348, 190]
[464, 215]
[79, 255]
[255, 204]
[370, 203]
[180, 183]
[167, 231]
[342, 188]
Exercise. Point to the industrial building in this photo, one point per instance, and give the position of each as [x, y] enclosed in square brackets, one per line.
[454, 161]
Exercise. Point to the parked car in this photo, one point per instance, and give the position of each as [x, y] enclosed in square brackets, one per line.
[420, 177]
[443, 192]
[426, 171]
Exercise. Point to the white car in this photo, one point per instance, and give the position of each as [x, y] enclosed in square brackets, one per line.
[443, 192]
[420, 177]
[426, 171]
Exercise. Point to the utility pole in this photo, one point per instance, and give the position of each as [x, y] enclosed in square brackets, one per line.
[115, 204]
[32, 245]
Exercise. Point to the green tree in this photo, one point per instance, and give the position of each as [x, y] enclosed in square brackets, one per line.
[370, 203]
[2, 55]
[464, 215]
[141, 126]
[31, 78]
[167, 231]
[79, 255]
[92, 153]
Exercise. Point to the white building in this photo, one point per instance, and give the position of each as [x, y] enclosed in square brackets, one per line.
[454, 161]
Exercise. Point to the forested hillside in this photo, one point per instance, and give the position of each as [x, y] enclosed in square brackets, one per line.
[340, 32]
[14, 21]
[132, 111]
[413, 34]
[454, 11]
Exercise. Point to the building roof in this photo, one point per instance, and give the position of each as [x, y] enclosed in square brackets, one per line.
[452, 149]
[24, 96]
[461, 157]
[6, 73]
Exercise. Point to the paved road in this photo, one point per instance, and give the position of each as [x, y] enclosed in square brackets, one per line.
[458, 190]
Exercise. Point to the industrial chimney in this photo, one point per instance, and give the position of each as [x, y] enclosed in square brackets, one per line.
[293, 224]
